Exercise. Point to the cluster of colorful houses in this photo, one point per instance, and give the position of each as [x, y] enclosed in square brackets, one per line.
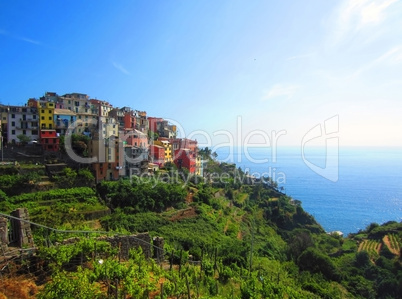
[148, 143]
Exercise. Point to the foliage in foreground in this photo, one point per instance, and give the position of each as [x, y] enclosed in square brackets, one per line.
[251, 241]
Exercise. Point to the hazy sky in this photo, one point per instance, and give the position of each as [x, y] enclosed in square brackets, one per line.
[217, 66]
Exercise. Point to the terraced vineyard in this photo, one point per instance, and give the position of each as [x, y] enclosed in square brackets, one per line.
[393, 243]
[373, 247]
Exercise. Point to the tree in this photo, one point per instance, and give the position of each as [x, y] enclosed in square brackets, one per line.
[24, 139]
[205, 153]
[300, 240]
[67, 179]
[79, 143]
[153, 135]
[79, 147]
[315, 261]
[85, 178]
[362, 259]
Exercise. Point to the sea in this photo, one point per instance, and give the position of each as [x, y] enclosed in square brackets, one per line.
[344, 188]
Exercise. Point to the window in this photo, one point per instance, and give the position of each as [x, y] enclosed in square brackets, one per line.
[43, 111]
[50, 118]
[34, 116]
[50, 111]
[24, 132]
[12, 115]
[42, 118]
[24, 109]
[13, 123]
[34, 132]
[13, 132]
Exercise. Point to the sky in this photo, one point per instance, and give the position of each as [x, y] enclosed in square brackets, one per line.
[258, 72]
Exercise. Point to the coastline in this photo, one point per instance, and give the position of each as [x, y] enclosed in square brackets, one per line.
[366, 191]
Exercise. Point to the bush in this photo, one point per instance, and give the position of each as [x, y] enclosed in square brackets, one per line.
[3, 196]
[316, 262]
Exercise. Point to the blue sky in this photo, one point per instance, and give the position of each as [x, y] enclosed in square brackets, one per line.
[245, 67]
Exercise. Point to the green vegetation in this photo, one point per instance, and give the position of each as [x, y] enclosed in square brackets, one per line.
[24, 139]
[223, 239]
[79, 144]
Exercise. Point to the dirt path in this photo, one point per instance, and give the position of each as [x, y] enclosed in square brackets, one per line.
[189, 197]
[182, 214]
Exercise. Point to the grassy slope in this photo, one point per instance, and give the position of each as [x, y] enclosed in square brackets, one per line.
[250, 228]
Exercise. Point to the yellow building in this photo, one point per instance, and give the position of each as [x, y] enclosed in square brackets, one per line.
[47, 130]
[4, 110]
[198, 166]
[168, 149]
[46, 114]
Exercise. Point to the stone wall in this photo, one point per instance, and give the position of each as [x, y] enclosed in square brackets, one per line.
[22, 235]
[159, 244]
[19, 235]
[125, 243]
[3, 235]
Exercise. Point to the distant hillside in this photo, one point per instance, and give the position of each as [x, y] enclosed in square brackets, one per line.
[226, 236]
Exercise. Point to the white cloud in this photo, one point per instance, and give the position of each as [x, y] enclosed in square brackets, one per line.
[394, 55]
[280, 90]
[28, 40]
[21, 38]
[356, 15]
[391, 57]
[121, 68]
[374, 12]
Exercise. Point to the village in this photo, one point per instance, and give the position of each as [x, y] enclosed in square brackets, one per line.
[114, 142]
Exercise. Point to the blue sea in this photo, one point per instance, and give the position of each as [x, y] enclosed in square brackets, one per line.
[345, 188]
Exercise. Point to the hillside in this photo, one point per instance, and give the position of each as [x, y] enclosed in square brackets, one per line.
[230, 237]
